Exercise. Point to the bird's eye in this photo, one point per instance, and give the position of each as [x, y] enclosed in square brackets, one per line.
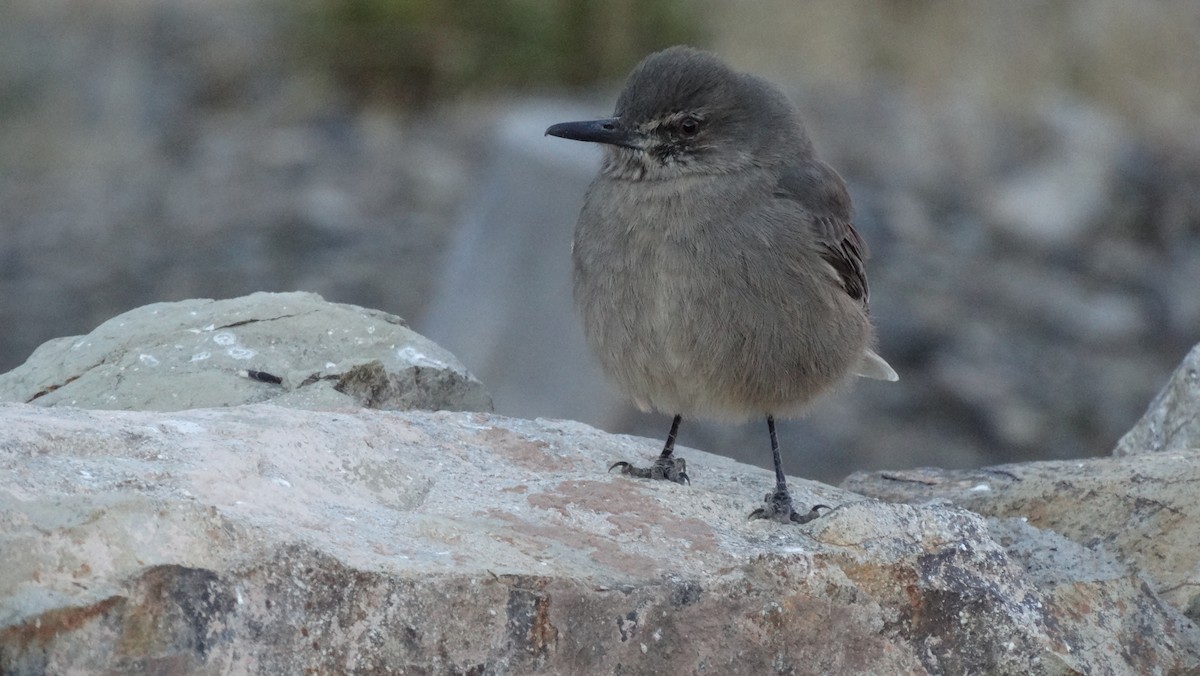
[689, 126]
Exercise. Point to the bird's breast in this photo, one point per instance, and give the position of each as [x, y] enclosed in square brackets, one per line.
[644, 266]
[709, 307]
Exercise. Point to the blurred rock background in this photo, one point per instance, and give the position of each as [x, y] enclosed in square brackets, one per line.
[1028, 178]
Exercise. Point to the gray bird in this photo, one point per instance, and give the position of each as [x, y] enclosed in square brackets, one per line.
[716, 266]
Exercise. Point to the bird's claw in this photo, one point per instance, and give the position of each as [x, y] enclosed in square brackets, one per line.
[664, 469]
[779, 508]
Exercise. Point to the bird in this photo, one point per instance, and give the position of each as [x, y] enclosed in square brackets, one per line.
[716, 266]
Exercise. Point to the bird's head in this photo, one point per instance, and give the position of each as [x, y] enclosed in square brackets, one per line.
[683, 112]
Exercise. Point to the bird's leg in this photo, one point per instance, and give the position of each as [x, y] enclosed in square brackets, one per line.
[666, 468]
[778, 505]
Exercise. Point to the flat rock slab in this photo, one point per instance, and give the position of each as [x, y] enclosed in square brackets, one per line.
[264, 539]
[292, 349]
[1144, 508]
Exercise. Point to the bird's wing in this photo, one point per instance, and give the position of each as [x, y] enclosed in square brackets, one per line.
[822, 194]
[841, 246]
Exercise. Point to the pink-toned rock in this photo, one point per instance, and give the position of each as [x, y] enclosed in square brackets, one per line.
[262, 539]
[1143, 509]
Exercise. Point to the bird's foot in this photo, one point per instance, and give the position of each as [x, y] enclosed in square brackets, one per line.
[778, 507]
[664, 469]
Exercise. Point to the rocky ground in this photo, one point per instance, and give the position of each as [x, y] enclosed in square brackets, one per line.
[312, 534]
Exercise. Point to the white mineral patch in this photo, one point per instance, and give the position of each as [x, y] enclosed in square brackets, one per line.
[240, 352]
[414, 356]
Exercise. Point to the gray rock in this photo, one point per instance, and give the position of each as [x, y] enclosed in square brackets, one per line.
[202, 353]
[261, 539]
[1142, 508]
[1173, 420]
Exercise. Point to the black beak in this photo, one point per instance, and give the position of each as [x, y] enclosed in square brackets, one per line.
[608, 131]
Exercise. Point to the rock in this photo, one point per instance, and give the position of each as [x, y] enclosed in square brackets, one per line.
[1142, 508]
[264, 539]
[1173, 420]
[203, 353]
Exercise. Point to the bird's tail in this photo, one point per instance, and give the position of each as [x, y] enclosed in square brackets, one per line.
[873, 366]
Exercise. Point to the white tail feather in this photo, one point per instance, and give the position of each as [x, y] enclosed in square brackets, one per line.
[873, 366]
